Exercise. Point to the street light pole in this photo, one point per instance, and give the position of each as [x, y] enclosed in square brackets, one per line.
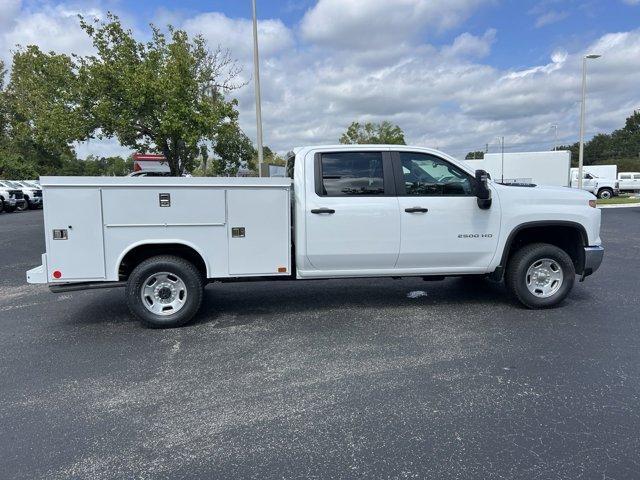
[256, 76]
[582, 114]
[502, 145]
[555, 137]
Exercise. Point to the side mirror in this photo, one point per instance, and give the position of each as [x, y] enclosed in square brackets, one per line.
[483, 192]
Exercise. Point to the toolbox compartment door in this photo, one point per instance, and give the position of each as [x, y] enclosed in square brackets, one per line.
[259, 231]
[76, 213]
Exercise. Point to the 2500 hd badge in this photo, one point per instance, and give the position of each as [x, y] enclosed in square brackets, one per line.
[475, 235]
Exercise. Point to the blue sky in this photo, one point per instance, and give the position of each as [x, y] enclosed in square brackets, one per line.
[453, 74]
[521, 43]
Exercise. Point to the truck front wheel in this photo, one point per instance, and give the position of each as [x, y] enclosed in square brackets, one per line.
[165, 291]
[540, 275]
[605, 193]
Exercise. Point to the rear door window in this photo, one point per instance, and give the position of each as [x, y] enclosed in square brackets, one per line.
[351, 174]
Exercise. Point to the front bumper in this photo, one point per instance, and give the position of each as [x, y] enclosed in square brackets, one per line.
[592, 260]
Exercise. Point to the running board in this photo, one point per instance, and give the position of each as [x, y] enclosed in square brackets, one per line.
[74, 287]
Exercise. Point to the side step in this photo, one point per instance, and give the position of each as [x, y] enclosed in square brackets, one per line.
[74, 287]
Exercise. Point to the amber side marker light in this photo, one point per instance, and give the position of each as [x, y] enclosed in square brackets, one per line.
[282, 269]
[593, 203]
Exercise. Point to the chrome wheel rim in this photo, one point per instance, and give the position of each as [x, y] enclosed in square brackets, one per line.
[544, 278]
[163, 293]
[605, 195]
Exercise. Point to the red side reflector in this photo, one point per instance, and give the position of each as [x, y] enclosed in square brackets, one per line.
[57, 274]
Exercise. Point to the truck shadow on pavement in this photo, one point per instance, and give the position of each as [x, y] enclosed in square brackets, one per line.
[236, 304]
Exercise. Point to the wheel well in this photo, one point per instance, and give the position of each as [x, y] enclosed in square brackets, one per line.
[570, 238]
[142, 252]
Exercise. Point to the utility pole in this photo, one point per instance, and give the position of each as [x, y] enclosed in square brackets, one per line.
[555, 138]
[502, 145]
[582, 114]
[256, 76]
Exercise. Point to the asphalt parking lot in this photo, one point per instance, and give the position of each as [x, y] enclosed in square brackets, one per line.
[326, 379]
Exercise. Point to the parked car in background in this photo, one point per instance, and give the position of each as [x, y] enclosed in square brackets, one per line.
[629, 181]
[601, 187]
[32, 193]
[11, 196]
[7, 200]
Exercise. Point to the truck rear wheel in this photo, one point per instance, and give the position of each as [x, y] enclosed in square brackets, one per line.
[165, 291]
[540, 275]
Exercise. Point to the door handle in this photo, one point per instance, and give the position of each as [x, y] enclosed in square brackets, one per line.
[319, 211]
[416, 210]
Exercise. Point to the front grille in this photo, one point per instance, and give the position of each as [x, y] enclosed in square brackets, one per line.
[17, 194]
[37, 193]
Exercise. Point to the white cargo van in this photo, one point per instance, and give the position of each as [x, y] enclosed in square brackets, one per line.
[346, 211]
[629, 181]
[540, 168]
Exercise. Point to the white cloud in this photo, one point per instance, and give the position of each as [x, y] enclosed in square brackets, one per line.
[53, 28]
[467, 45]
[632, 2]
[236, 34]
[101, 148]
[338, 65]
[371, 24]
[550, 17]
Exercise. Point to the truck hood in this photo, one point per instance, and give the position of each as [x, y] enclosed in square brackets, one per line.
[544, 194]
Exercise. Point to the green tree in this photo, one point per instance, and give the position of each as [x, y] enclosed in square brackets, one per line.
[42, 109]
[622, 146]
[164, 95]
[270, 158]
[477, 155]
[234, 150]
[373, 133]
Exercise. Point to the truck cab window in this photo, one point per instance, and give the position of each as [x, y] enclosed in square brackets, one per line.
[351, 173]
[427, 175]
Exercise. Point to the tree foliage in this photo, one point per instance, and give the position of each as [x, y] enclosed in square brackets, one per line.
[165, 95]
[477, 155]
[620, 145]
[233, 150]
[373, 133]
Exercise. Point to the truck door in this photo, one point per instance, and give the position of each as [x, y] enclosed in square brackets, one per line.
[442, 227]
[352, 216]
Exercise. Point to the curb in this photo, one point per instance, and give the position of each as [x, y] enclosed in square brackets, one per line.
[624, 205]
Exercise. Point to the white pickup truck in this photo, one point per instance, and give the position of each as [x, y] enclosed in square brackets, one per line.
[603, 187]
[345, 211]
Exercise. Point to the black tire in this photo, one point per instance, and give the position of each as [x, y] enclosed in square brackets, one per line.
[185, 271]
[1, 205]
[516, 278]
[9, 209]
[605, 193]
[24, 206]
